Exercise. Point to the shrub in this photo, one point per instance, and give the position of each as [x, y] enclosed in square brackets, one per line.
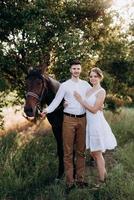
[114, 102]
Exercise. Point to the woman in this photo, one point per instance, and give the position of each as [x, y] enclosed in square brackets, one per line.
[99, 136]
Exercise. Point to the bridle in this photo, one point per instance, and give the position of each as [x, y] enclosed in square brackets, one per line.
[39, 97]
[32, 94]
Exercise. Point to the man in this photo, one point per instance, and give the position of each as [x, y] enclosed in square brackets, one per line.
[74, 124]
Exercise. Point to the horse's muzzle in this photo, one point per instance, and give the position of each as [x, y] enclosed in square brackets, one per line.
[28, 118]
[29, 112]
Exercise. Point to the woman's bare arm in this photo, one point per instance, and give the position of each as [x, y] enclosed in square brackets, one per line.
[98, 104]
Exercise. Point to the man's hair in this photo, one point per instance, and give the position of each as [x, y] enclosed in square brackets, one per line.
[75, 62]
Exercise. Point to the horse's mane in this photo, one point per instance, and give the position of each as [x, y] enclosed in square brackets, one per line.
[52, 83]
[34, 73]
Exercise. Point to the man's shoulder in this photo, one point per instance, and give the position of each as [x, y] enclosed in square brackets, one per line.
[65, 83]
[85, 83]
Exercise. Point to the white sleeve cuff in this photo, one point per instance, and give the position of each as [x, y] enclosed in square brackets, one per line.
[45, 110]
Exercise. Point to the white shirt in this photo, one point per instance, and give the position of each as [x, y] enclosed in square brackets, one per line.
[66, 91]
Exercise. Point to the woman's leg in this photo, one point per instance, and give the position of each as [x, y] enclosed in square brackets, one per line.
[97, 155]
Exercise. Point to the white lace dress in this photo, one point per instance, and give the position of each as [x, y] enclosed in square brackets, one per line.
[99, 136]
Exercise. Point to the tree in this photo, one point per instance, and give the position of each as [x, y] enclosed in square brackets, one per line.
[47, 33]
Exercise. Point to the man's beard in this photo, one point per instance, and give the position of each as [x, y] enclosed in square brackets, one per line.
[76, 75]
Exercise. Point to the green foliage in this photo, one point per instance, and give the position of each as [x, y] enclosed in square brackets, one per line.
[48, 33]
[8, 99]
[3, 85]
[116, 59]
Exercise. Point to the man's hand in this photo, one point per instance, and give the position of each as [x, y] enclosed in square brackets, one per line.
[43, 114]
[65, 104]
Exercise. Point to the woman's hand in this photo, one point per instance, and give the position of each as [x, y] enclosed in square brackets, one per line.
[77, 96]
[85, 104]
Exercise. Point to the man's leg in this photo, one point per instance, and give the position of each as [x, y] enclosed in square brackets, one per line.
[68, 144]
[80, 149]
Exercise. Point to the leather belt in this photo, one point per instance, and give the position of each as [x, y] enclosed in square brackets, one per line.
[76, 116]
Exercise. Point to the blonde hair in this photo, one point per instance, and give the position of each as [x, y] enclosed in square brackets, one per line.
[98, 71]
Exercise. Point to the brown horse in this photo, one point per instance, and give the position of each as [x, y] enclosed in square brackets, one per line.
[40, 91]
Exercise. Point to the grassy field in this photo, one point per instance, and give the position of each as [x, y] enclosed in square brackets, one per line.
[28, 165]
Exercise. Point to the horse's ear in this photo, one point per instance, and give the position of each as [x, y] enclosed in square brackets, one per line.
[34, 70]
[30, 69]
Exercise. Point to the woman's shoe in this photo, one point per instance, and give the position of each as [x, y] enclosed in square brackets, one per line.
[98, 185]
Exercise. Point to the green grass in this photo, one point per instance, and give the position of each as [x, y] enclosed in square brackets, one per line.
[122, 124]
[27, 169]
[28, 166]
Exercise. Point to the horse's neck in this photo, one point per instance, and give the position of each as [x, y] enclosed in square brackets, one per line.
[53, 87]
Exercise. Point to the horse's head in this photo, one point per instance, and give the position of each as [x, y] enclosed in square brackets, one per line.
[35, 89]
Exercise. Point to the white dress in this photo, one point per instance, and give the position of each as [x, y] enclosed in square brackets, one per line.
[99, 136]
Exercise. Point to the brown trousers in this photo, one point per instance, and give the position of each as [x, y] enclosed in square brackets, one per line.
[74, 136]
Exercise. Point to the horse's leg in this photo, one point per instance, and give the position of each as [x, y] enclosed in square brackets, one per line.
[57, 130]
